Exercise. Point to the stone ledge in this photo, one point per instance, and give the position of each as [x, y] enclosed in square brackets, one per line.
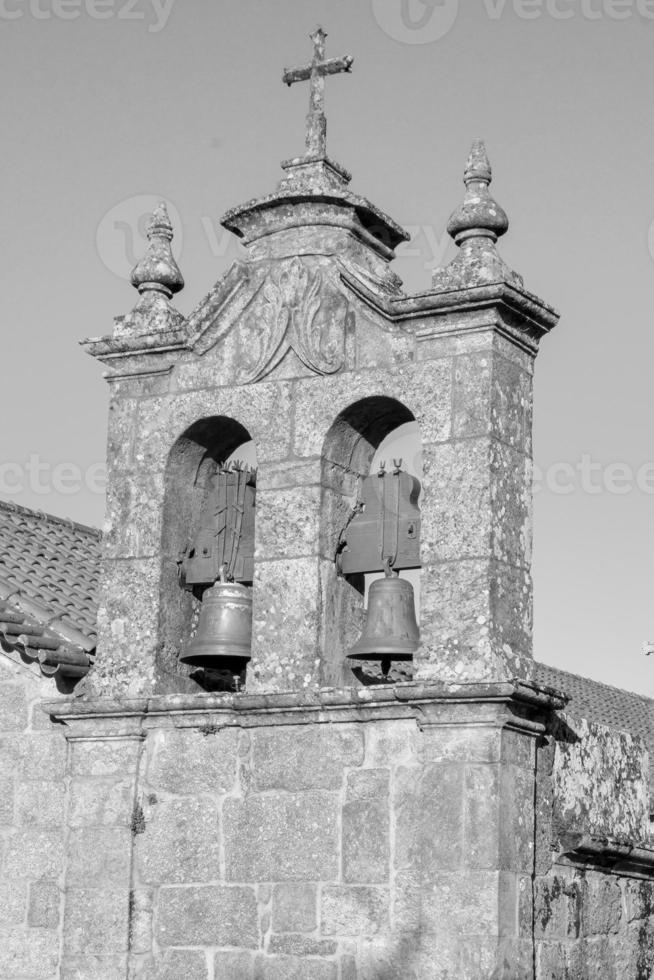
[514, 704]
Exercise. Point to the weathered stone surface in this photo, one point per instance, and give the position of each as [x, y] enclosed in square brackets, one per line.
[29, 953]
[294, 907]
[639, 898]
[44, 906]
[96, 921]
[40, 803]
[601, 911]
[294, 945]
[557, 908]
[181, 842]
[100, 802]
[13, 901]
[208, 915]
[239, 966]
[600, 781]
[108, 757]
[462, 903]
[353, 910]
[6, 800]
[292, 660]
[34, 854]
[391, 743]
[288, 523]
[185, 762]
[427, 797]
[366, 827]
[481, 816]
[188, 964]
[304, 757]
[294, 968]
[41, 756]
[13, 708]
[94, 967]
[99, 856]
[258, 846]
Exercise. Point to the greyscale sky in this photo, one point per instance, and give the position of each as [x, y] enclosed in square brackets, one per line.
[108, 105]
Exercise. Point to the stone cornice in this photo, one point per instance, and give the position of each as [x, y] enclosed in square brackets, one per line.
[515, 704]
[524, 317]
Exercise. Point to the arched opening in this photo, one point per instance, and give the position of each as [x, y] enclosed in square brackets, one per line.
[371, 431]
[204, 451]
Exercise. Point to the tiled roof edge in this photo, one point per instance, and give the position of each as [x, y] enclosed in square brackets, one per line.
[14, 508]
[48, 617]
[591, 680]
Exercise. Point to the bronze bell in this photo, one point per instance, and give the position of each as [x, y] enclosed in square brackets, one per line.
[390, 631]
[224, 633]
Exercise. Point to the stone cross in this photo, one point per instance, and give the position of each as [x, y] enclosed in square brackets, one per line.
[316, 139]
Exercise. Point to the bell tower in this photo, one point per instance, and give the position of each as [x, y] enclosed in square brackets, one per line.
[309, 350]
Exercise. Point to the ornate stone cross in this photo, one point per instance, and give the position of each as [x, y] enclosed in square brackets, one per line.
[316, 140]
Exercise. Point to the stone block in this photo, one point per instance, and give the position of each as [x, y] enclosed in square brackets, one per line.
[233, 966]
[35, 756]
[428, 804]
[471, 394]
[189, 964]
[100, 802]
[290, 473]
[190, 762]
[99, 856]
[208, 915]
[516, 828]
[40, 803]
[44, 905]
[638, 898]
[557, 908]
[121, 429]
[294, 907]
[14, 715]
[287, 523]
[511, 503]
[464, 903]
[353, 910]
[304, 756]
[7, 793]
[285, 625]
[134, 510]
[294, 968]
[13, 901]
[96, 921]
[481, 819]
[366, 827]
[598, 958]
[456, 501]
[601, 911]
[128, 626]
[32, 953]
[461, 743]
[104, 757]
[511, 404]
[94, 967]
[391, 743]
[296, 945]
[281, 837]
[140, 925]
[181, 841]
[34, 854]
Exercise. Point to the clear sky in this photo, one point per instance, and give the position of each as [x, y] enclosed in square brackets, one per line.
[108, 104]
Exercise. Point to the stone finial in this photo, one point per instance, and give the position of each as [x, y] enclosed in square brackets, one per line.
[157, 277]
[479, 215]
[475, 226]
[158, 270]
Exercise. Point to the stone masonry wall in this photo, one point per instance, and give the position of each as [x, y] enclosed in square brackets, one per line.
[593, 912]
[364, 843]
[33, 825]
